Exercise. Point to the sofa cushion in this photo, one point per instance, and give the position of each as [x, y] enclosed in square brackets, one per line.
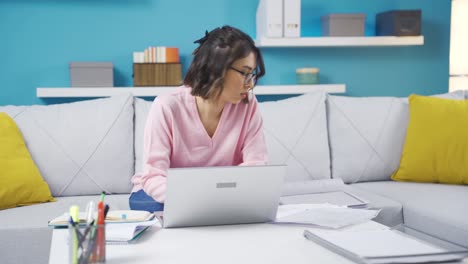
[38, 215]
[367, 135]
[436, 142]
[20, 180]
[391, 211]
[80, 148]
[437, 209]
[296, 134]
[142, 108]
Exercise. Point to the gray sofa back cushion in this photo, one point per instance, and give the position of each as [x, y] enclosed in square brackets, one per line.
[367, 135]
[142, 108]
[295, 132]
[80, 148]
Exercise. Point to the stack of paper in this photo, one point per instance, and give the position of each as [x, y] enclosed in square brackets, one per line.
[332, 191]
[323, 215]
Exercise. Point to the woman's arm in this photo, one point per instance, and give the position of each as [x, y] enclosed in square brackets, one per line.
[254, 151]
[157, 147]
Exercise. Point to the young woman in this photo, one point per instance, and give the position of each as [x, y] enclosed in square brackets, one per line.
[213, 120]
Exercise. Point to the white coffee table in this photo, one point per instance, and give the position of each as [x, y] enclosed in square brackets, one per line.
[253, 243]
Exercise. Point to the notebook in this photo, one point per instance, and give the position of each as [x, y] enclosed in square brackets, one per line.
[222, 195]
[392, 245]
[115, 216]
[127, 233]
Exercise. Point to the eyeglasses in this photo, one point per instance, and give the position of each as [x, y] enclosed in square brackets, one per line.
[248, 77]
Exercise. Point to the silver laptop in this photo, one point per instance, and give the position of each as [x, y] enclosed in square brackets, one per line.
[222, 195]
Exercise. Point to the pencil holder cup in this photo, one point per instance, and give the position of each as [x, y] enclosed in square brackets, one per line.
[87, 244]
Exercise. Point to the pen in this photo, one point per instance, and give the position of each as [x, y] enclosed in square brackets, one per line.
[99, 247]
[103, 194]
[74, 213]
[90, 212]
[106, 210]
[74, 210]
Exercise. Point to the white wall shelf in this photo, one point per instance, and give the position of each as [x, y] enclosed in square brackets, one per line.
[340, 41]
[68, 92]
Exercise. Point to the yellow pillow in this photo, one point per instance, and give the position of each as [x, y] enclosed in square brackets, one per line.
[20, 180]
[436, 146]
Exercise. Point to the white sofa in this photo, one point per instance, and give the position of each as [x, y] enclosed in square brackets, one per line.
[86, 147]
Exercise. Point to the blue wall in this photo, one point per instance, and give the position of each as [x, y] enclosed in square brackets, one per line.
[40, 37]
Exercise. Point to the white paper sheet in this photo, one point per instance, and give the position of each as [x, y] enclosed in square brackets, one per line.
[314, 186]
[323, 215]
[320, 191]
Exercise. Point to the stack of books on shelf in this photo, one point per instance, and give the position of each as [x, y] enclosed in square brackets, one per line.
[157, 66]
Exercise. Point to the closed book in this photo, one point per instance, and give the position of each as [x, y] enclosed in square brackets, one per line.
[172, 55]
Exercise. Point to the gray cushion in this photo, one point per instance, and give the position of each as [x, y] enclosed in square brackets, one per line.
[38, 215]
[437, 209]
[142, 108]
[296, 134]
[80, 148]
[391, 211]
[367, 135]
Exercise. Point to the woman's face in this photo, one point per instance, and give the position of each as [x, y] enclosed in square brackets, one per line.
[238, 79]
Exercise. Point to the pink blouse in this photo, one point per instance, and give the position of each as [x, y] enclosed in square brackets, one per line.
[175, 137]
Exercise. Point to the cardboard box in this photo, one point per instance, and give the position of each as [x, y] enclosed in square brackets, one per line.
[91, 74]
[343, 24]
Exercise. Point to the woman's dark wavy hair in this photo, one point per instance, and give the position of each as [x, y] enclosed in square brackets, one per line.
[218, 50]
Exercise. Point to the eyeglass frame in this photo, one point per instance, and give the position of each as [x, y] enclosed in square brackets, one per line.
[248, 76]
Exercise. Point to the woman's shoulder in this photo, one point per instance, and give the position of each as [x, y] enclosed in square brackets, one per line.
[175, 97]
[174, 94]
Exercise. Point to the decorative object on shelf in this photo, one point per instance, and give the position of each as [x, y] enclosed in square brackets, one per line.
[398, 23]
[91, 74]
[307, 75]
[157, 66]
[343, 24]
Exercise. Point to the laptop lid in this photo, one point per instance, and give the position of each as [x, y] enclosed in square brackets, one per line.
[222, 195]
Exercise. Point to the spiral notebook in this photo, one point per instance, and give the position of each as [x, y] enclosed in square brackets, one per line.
[127, 233]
